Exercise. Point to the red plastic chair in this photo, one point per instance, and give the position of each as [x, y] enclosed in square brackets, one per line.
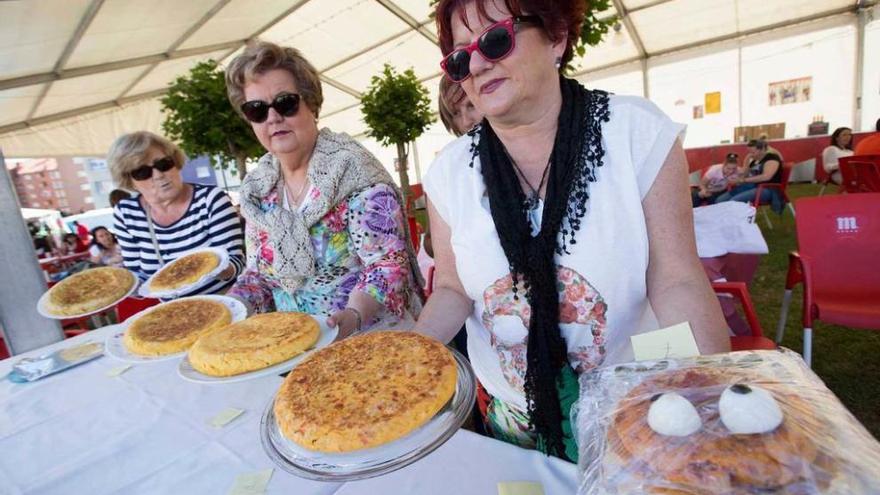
[861, 174]
[755, 341]
[133, 305]
[779, 186]
[838, 241]
[429, 282]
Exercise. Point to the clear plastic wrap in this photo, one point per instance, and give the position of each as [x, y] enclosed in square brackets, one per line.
[815, 446]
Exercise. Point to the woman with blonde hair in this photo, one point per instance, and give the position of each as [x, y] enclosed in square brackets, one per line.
[325, 231]
[168, 216]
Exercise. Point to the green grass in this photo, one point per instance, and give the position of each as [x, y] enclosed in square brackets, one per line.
[845, 358]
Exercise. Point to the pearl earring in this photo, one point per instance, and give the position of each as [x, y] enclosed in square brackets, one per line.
[558, 62]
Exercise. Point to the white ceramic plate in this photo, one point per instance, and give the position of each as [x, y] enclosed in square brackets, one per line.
[44, 300]
[116, 349]
[328, 335]
[204, 280]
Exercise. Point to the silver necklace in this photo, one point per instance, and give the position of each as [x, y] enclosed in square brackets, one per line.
[533, 197]
[295, 199]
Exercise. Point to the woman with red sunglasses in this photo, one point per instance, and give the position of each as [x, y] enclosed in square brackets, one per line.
[325, 231]
[168, 216]
[561, 224]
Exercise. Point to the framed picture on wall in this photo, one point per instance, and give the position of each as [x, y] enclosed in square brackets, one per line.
[791, 91]
[698, 112]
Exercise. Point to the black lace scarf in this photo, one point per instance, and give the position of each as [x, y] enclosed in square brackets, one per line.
[577, 152]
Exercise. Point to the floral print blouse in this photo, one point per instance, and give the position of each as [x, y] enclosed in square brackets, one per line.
[360, 244]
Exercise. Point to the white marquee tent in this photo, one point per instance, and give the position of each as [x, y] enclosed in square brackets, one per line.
[74, 74]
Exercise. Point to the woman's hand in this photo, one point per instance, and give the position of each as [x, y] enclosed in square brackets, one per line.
[347, 321]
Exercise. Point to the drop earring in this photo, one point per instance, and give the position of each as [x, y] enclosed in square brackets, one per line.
[558, 62]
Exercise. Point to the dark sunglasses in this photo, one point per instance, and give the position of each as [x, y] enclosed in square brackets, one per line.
[496, 42]
[257, 111]
[145, 172]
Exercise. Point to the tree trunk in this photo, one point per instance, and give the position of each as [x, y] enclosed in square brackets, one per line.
[404, 175]
[240, 165]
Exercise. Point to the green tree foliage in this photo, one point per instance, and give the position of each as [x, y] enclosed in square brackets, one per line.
[199, 117]
[397, 110]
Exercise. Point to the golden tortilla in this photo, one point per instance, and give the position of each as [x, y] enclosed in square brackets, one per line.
[184, 271]
[255, 343]
[365, 391]
[89, 291]
[173, 327]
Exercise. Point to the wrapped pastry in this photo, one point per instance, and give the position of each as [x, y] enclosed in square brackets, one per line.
[755, 422]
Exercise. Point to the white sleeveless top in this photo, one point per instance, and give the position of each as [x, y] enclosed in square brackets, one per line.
[602, 283]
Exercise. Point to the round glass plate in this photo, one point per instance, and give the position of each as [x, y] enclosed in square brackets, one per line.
[117, 350]
[328, 335]
[376, 461]
[42, 304]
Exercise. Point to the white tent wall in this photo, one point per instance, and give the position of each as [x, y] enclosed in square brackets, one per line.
[46, 112]
[826, 55]
[871, 76]
[677, 86]
[624, 80]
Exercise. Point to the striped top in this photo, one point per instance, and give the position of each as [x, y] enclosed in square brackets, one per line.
[210, 221]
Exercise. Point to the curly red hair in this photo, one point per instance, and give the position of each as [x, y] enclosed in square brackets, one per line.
[558, 19]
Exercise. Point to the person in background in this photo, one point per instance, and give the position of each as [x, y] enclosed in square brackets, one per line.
[569, 214]
[118, 195]
[841, 146]
[870, 145]
[457, 112]
[325, 228]
[71, 244]
[169, 217]
[715, 181]
[104, 249]
[765, 167]
[82, 232]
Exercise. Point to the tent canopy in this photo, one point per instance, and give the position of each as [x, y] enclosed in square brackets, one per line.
[74, 74]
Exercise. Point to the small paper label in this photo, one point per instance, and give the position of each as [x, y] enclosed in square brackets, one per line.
[520, 488]
[225, 416]
[118, 370]
[676, 341]
[251, 483]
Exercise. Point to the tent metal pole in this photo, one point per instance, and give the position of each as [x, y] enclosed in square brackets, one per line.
[739, 74]
[23, 281]
[861, 22]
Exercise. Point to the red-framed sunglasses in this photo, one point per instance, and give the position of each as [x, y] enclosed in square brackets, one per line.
[495, 43]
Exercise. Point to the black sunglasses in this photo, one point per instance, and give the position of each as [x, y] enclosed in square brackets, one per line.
[495, 43]
[145, 172]
[257, 111]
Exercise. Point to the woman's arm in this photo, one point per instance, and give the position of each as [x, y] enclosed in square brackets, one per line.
[252, 287]
[449, 306]
[678, 288]
[131, 253]
[770, 168]
[377, 233]
[224, 232]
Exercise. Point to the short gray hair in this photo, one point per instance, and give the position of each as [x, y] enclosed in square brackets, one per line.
[260, 57]
[128, 152]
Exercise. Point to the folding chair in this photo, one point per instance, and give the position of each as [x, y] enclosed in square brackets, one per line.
[779, 186]
[861, 174]
[838, 239]
[756, 340]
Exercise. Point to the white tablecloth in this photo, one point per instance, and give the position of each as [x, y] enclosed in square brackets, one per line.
[146, 432]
